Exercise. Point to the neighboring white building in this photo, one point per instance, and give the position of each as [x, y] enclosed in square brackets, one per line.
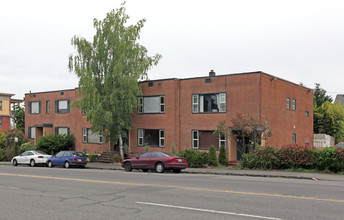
[323, 140]
[340, 98]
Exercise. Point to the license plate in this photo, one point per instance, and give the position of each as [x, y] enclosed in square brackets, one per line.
[179, 160]
[79, 160]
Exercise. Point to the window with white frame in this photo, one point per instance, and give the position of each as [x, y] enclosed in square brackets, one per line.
[294, 104]
[151, 137]
[91, 137]
[31, 132]
[204, 139]
[288, 103]
[35, 107]
[151, 104]
[209, 103]
[62, 106]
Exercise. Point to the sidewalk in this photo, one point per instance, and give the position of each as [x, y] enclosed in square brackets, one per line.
[232, 172]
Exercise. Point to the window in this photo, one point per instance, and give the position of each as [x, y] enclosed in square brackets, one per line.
[62, 130]
[60, 154]
[288, 103]
[294, 138]
[35, 107]
[47, 107]
[62, 106]
[0, 105]
[207, 103]
[151, 137]
[31, 132]
[294, 104]
[152, 104]
[208, 80]
[204, 139]
[307, 113]
[0, 122]
[91, 137]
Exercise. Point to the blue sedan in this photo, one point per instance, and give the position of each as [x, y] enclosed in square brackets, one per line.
[68, 159]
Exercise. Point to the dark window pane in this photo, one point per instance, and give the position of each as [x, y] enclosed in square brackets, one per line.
[206, 138]
[151, 137]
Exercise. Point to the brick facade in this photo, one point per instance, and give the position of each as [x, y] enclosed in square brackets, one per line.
[170, 119]
[5, 111]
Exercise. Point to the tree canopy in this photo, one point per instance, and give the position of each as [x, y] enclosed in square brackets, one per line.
[109, 69]
[320, 95]
[19, 117]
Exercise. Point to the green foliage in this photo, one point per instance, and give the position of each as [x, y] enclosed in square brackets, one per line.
[19, 117]
[194, 157]
[212, 158]
[2, 140]
[320, 95]
[2, 154]
[223, 160]
[26, 146]
[146, 147]
[52, 144]
[293, 157]
[12, 147]
[92, 157]
[329, 119]
[109, 69]
[116, 158]
[173, 149]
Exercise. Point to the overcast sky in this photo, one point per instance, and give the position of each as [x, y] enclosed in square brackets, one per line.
[300, 41]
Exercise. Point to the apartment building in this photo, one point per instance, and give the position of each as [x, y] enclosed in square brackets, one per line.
[5, 111]
[185, 112]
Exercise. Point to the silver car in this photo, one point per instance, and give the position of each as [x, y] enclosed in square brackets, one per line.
[31, 157]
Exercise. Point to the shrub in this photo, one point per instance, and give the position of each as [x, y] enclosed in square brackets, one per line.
[249, 161]
[54, 143]
[212, 159]
[92, 157]
[12, 147]
[26, 146]
[294, 156]
[195, 158]
[2, 155]
[330, 158]
[117, 158]
[2, 140]
[223, 156]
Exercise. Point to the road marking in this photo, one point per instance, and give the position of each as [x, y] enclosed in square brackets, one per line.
[208, 210]
[177, 187]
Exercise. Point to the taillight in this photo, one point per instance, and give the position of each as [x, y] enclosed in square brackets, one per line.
[173, 160]
[40, 157]
[185, 160]
[73, 159]
[84, 159]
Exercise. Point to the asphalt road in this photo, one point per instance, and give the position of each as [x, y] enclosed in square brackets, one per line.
[58, 193]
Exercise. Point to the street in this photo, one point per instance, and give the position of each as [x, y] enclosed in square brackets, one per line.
[57, 193]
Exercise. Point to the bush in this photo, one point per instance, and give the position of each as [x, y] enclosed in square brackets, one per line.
[2, 140]
[12, 147]
[92, 157]
[2, 155]
[26, 146]
[249, 161]
[212, 159]
[331, 159]
[195, 158]
[54, 143]
[117, 158]
[223, 156]
[294, 156]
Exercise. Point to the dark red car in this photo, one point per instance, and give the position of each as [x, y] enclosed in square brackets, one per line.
[157, 161]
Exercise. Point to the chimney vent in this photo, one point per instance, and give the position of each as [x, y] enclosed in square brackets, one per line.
[211, 73]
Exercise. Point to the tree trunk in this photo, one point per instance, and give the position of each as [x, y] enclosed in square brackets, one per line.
[120, 143]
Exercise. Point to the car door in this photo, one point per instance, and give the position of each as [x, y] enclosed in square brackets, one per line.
[156, 156]
[21, 157]
[58, 159]
[29, 156]
[142, 161]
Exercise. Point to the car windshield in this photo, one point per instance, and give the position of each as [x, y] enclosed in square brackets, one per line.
[40, 153]
[78, 154]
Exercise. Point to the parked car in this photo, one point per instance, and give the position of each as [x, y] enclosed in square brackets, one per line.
[157, 161]
[68, 159]
[341, 144]
[31, 157]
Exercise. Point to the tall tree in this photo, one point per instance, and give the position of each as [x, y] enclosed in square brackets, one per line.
[320, 95]
[19, 117]
[109, 69]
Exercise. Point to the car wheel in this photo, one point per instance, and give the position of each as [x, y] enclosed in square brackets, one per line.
[15, 163]
[66, 164]
[144, 170]
[32, 163]
[50, 164]
[177, 171]
[160, 168]
[128, 167]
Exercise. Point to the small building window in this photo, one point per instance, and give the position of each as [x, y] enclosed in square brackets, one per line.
[209, 103]
[294, 104]
[47, 103]
[208, 80]
[35, 107]
[151, 104]
[150, 84]
[0, 105]
[151, 137]
[62, 130]
[204, 139]
[91, 137]
[31, 132]
[62, 106]
[294, 138]
[0, 122]
[307, 113]
[288, 103]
